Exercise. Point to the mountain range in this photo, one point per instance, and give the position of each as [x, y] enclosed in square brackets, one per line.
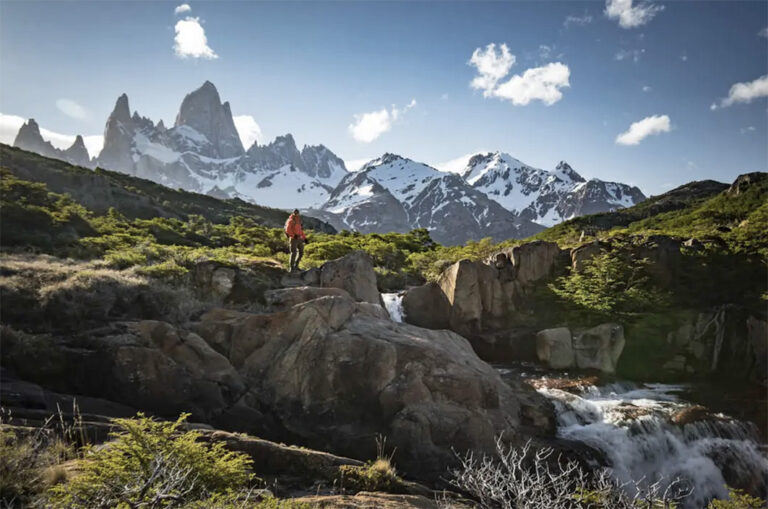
[495, 195]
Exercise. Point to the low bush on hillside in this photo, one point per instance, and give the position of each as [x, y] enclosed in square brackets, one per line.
[609, 287]
[152, 464]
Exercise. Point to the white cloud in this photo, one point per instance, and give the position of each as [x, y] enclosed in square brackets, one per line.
[444, 97]
[744, 92]
[748, 129]
[577, 20]
[71, 109]
[248, 130]
[538, 83]
[10, 125]
[356, 164]
[626, 54]
[190, 40]
[545, 51]
[180, 9]
[648, 126]
[458, 164]
[491, 67]
[630, 16]
[763, 33]
[684, 58]
[369, 126]
[646, 88]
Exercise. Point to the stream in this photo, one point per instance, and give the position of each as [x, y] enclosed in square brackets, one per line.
[651, 431]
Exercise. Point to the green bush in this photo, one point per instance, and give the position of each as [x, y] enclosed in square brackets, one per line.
[154, 464]
[737, 499]
[608, 286]
[24, 461]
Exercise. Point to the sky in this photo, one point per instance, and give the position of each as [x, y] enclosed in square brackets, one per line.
[653, 94]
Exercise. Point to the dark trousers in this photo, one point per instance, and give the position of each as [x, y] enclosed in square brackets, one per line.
[297, 251]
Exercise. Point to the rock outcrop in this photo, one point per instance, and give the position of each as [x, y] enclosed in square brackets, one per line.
[203, 111]
[331, 372]
[724, 340]
[487, 298]
[596, 348]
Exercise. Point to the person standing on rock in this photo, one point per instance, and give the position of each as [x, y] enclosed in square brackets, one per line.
[296, 238]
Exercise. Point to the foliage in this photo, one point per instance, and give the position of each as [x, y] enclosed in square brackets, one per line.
[25, 462]
[737, 499]
[609, 286]
[378, 475]
[152, 463]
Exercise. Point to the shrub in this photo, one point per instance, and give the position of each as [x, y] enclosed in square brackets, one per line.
[528, 478]
[608, 285]
[152, 464]
[737, 499]
[24, 460]
[377, 475]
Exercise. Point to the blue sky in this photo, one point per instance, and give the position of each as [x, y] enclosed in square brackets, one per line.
[583, 73]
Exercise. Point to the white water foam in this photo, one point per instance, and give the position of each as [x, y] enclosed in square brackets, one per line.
[393, 302]
[631, 426]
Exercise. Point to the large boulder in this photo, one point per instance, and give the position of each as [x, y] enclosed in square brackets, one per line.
[353, 273]
[596, 348]
[554, 347]
[284, 298]
[427, 306]
[534, 261]
[599, 347]
[334, 373]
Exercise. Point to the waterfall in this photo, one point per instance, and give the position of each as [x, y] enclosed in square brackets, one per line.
[631, 425]
[393, 302]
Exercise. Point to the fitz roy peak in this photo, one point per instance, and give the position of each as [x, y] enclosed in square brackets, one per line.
[495, 195]
[202, 152]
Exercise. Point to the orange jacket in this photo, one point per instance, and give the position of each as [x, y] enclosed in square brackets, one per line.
[293, 227]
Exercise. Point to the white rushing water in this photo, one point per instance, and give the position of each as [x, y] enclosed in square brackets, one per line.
[631, 426]
[394, 304]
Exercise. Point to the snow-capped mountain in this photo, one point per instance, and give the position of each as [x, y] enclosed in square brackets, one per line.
[495, 195]
[544, 197]
[394, 193]
[202, 152]
[29, 138]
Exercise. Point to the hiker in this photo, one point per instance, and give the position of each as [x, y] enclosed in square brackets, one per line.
[296, 238]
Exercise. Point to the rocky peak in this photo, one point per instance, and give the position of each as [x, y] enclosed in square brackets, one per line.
[77, 153]
[118, 138]
[121, 110]
[29, 138]
[203, 111]
[566, 170]
[745, 181]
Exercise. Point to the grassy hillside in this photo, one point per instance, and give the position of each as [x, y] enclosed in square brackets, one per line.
[734, 216]
[134, 197]
[51, 207]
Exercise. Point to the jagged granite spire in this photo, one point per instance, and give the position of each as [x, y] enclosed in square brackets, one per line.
[78, 153]
[29, 138]
[118, 138]
[203, 111]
